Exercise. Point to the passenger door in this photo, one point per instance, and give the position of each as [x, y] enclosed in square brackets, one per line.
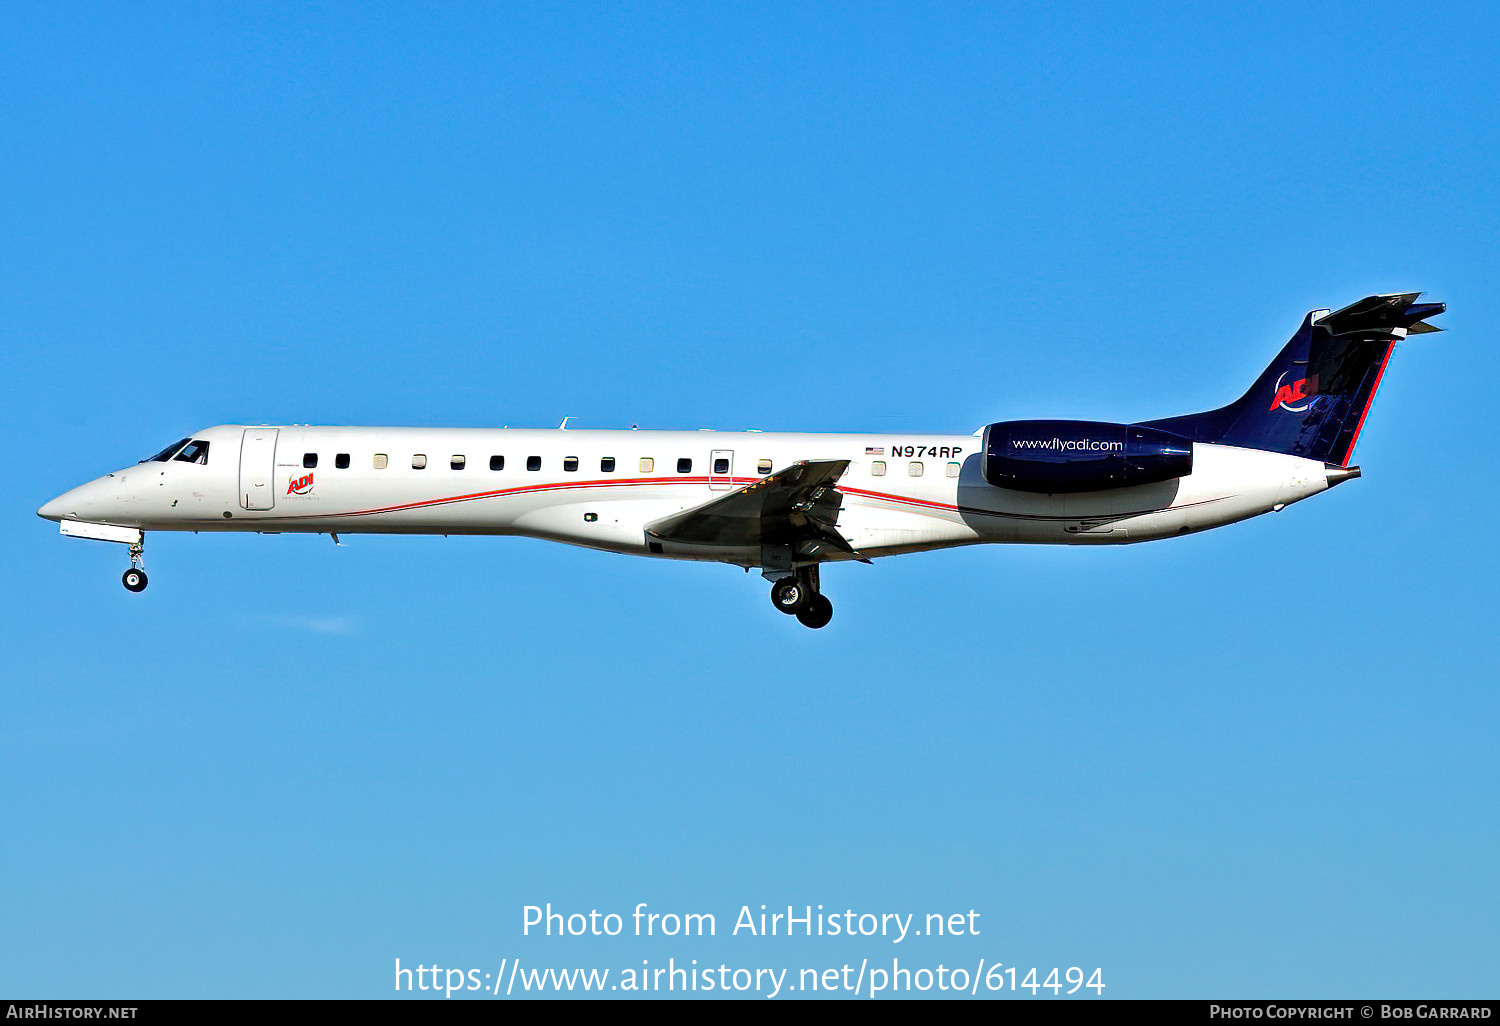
[258, 468]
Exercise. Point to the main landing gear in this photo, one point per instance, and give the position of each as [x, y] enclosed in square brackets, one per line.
[798, 595]
[134, 579]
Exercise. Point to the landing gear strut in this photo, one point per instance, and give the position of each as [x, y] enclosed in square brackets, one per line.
[134, 579]
[798, 595]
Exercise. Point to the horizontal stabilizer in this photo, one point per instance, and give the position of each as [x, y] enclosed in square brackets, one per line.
[1381, 314]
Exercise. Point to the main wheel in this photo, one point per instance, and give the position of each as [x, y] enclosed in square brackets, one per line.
[818, 612]
[790, 595]
[134, 580]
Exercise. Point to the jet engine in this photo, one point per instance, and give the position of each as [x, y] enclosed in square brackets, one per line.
[1081, 455]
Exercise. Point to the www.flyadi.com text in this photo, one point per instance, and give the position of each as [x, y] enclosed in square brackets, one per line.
[513, 978]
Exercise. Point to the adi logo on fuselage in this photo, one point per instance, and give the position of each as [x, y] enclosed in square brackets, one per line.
[300, 485]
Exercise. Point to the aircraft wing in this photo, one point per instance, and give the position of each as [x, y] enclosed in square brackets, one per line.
[798, 506]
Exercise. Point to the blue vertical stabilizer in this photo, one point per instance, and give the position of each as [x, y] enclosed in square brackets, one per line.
[1313, 398]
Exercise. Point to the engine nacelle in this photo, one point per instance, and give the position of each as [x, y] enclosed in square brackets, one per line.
[1081, 455]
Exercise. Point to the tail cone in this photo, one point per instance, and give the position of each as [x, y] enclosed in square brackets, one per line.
[1338, 475]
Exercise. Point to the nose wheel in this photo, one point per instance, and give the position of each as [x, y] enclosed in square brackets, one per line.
[798, 596]
[134, 579]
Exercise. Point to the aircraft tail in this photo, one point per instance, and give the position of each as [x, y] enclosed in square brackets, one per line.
[1313, 399]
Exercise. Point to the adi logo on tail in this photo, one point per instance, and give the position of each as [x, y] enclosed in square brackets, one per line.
[1299, 390]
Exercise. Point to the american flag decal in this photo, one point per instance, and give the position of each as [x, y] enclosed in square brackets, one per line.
[874, 450]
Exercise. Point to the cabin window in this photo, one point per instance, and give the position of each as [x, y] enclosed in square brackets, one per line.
[607, 465]
[721, 465]
[497, 462]
[684, 466]
[953, 470]
[648, 465]
[457, 462]
[533, 463]
[877, 468]
[195, 451]
[763, 467]
[570, 464]
[419, 461]
[309, 460]
[341, 461]
[381, 460]
[915, 468]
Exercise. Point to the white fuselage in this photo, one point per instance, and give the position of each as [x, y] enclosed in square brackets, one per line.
[902, 492]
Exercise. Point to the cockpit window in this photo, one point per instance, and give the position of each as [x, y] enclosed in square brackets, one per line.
[195, 451]
[166, 453]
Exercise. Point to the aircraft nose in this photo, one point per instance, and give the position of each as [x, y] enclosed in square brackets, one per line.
[73, 504]
[56, 509]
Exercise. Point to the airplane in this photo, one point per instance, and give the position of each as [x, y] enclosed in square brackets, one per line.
[782, 503]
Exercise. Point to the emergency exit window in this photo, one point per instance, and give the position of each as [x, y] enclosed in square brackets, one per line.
[721, 465]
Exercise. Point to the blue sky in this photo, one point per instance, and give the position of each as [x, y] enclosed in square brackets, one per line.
[1256, 762]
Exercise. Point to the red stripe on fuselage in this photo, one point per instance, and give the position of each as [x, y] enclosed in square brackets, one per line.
[907, 500]
[522, 490]
[904, 500]
[603, 483]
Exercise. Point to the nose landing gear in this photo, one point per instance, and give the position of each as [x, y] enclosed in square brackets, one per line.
[798, 595]
[134, 579]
